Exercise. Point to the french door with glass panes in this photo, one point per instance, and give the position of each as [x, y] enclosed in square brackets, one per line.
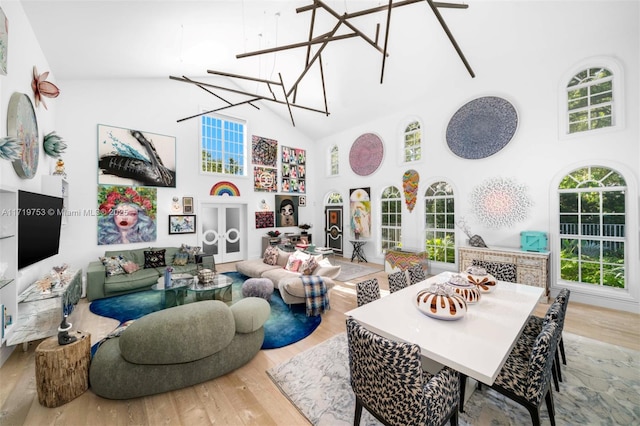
[222, 231]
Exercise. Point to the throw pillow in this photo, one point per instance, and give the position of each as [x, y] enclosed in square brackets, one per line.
[270, 256]
[293, 264]
[154, 259]
[191, 251]
[308, 266]
[129, 266]
[180, 258]
[112, 265]
[283, 257]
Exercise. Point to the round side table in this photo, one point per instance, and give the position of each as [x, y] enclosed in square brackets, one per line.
[62, 371]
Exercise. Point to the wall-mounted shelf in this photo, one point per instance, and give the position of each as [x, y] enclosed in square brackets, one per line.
[9, 257]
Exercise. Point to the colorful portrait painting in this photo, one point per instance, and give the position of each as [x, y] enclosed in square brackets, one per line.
[287, 210]
[133, 157]
[126, 214]
[360, 203]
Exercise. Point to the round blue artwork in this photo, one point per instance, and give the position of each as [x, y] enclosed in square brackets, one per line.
[482, 127]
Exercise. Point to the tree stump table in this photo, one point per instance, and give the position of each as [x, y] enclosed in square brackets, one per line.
[62, 371]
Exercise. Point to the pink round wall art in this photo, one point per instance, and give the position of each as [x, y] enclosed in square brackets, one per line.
[366, 154]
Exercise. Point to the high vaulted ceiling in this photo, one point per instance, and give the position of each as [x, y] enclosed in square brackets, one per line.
[157, 39]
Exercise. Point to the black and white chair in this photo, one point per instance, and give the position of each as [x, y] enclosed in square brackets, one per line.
[557, 311]
[527, 380]
[388, 380]
[416, 274]
[367, 291]
[397, 281]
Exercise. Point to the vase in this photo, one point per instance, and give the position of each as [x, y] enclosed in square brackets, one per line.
[479, 277]
[464, 288]
[441, 302]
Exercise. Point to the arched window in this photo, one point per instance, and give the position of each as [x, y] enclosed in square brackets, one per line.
[592, 227]
[412, 142]
[440, 241]
[391, 210]
[590, 100]
[334, 164]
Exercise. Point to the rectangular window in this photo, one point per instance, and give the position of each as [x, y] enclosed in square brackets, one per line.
[222, 141]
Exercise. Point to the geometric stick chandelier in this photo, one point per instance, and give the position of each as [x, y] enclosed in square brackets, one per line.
[279, 94]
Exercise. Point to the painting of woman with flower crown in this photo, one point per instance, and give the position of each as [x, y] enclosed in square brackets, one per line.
[126, 214]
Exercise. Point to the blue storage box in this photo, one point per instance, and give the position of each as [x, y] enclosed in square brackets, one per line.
[533, 241]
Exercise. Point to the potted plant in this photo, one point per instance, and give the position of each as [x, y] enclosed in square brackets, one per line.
[305, 227]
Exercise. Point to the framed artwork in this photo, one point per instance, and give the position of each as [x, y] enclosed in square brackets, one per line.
[4, 42]
[360, 204]
[287, 214]
[264, 151]
[133, 157]
[265, 219]
[182, 224]
[126, 214]
[294, 170]
[265, 179]
[302, 201]
[187, 205]
[22, 125]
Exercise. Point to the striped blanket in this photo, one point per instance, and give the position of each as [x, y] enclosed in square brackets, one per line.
[317, 299]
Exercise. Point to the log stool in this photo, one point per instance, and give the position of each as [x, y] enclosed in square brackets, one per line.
[62, 372]
[258, 287]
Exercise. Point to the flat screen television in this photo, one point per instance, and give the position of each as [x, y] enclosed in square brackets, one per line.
[39, 222]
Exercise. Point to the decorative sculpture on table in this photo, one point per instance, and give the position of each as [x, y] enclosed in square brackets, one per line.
[63, 332]
[474, 240]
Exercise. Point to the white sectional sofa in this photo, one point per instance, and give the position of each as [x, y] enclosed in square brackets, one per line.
[286, 281]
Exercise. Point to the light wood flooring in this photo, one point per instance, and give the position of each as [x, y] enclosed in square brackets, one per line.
[244, 397]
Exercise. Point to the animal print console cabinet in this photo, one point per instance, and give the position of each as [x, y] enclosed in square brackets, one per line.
[513, 265]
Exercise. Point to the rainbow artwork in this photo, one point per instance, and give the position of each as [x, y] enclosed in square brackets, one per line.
[225, 188]
[410, 181]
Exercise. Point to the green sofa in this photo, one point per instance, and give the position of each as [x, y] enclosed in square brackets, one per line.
[179, 347]
[99, 285]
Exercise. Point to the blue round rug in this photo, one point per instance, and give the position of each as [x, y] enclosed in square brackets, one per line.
[284, 327]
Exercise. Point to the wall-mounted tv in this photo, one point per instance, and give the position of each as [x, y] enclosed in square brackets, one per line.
[39, 221]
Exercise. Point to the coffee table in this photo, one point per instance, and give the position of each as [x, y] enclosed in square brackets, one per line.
[175, 294]
[218, 289]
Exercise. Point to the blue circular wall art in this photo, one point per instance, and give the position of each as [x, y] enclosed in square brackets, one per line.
[482, 127]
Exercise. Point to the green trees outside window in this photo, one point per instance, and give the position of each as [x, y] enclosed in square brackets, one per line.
[440, 241]
[592, 227]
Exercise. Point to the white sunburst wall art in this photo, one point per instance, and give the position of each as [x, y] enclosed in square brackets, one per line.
[500, 202]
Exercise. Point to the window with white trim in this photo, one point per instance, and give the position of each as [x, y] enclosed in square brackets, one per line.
[590, 100]
[334, 161]
[223, 145]
[439, 215]
[391, 220]
[412, 142]
[592, 227]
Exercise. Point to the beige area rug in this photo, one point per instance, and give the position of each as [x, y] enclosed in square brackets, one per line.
[352, 270]
[601, 387]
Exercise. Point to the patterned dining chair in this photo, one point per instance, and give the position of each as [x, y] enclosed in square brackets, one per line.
[416, 274]
[397, 281]
[527, 380]
[557, 310]
[367, 291]
[388, 380]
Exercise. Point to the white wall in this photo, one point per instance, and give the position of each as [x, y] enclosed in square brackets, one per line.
[528, 72]
[154, 105]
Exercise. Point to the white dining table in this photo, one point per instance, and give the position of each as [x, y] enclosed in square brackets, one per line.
[477, 345]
